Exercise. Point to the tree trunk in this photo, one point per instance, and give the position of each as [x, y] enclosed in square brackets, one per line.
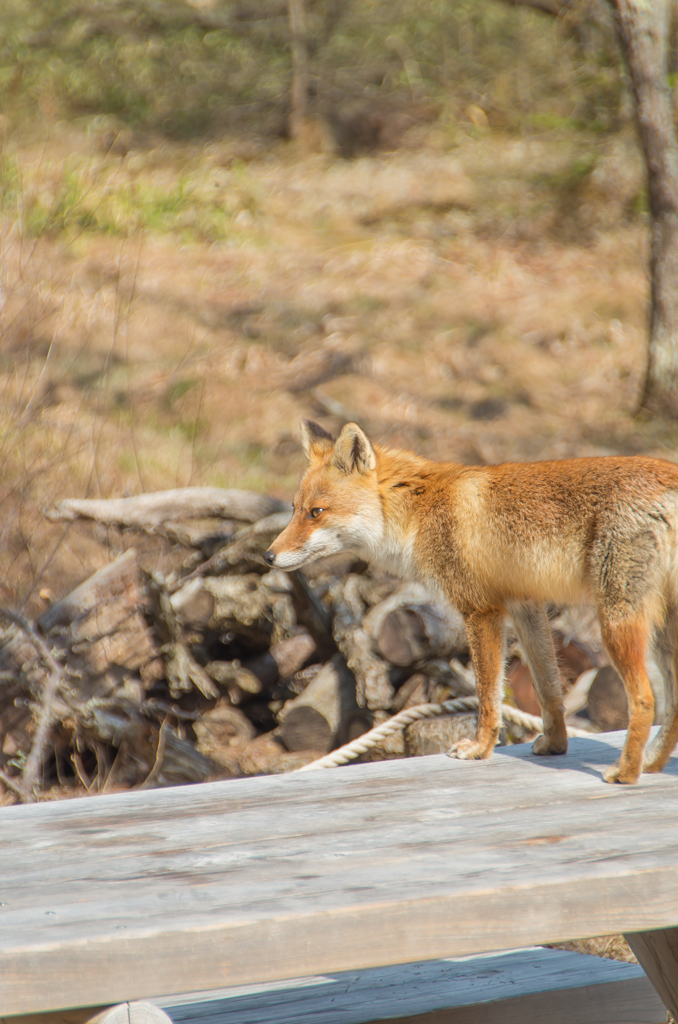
[643, 30]
[299, 91]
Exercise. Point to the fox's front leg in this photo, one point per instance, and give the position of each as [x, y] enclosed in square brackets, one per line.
[485, 633]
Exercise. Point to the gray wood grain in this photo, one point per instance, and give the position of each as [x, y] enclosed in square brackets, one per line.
[139, 894]
[657, 951]
[528, 984]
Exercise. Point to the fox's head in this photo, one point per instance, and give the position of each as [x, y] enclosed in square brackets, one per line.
[337, 507]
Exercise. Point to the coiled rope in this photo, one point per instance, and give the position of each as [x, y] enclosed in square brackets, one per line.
[400, 721]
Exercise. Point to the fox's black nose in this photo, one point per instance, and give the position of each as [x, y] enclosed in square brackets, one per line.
[269, 557]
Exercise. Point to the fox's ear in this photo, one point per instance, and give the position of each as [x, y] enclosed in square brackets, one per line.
[315, 440]
[353, 451]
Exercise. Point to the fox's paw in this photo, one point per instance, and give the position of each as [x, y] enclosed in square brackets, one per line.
[469, 750]
[544, 745]
[625, 776]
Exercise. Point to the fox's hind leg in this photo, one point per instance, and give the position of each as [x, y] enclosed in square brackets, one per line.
[626, 642]
[485, 632]
[666, 653]
[534, 633]
[629, 565]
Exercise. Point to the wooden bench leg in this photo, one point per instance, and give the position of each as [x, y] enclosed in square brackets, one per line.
[657, 954]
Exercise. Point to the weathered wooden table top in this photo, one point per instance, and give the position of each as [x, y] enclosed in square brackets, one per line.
[139, 894]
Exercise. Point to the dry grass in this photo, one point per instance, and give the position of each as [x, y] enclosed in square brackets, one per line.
[611, 947]
[477, 298]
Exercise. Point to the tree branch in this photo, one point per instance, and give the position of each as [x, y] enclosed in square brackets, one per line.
[149, 512]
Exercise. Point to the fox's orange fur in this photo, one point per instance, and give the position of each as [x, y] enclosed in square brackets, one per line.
[504, 540]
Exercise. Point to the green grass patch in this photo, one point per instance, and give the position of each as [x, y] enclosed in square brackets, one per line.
[178, 389]
[572, 175]
[90, 201]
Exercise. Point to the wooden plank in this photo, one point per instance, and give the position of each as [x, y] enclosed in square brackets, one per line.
[657, 951]
[565, 987]
[137, 894]
[528, 984]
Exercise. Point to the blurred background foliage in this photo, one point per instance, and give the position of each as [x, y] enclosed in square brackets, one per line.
[188, 70]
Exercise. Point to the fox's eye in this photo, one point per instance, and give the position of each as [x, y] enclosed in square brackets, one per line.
[315, 512]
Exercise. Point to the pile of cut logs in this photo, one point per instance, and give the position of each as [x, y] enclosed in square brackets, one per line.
[225, 668]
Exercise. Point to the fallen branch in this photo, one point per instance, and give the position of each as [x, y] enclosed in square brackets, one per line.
[247, 545]
[149, 512]
[13, 784]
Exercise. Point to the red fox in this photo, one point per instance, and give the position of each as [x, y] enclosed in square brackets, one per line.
[504, 540]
